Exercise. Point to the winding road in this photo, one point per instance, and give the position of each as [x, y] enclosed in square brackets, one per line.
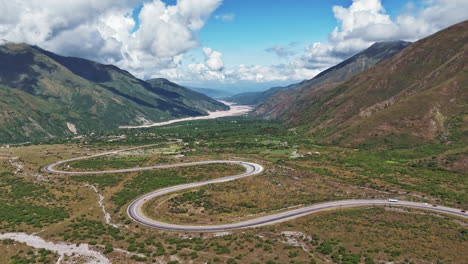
[135, 212]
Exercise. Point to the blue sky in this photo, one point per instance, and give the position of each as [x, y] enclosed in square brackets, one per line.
[259, 24]
[241, 45]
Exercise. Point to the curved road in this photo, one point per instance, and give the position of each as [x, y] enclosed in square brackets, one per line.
[134, 210]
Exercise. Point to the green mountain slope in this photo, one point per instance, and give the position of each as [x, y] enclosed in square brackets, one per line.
[46, 95]
[418, 96]
[279, 103]
[188, 97]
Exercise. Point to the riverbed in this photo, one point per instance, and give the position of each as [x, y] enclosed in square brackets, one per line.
[236, 110]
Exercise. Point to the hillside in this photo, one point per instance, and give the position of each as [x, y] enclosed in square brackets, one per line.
[186, 96]
[418, 96]
[279, 103]
[348, 68]
[256, 98]
[45, 95]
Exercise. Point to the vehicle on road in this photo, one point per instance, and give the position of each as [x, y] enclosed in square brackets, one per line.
[393, 200]
[434, 205]
[463, 211]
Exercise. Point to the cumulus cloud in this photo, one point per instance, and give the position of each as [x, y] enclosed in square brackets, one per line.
[366, 22]
[103, 30]
[214, 59]
[360, 25]
[210, 70]
[157, 44]
[213, 70]
[165, 33]
[49, 23]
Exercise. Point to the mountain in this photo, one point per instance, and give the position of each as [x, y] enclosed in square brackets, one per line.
[256, 98]
[277, 106]
[418, 96]
[188, 97]
[213, 93]
[43, 94]
[376, 53]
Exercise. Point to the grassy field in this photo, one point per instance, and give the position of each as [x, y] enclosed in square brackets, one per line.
[106, 163]
[277, 189]
[336, 173]
[156, 179]
[18, 253]
[65, 208]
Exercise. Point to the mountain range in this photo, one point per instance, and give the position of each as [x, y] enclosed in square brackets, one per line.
[417, 96]
[350, 67]
[213, 93]
[256, 98]
[43, 94]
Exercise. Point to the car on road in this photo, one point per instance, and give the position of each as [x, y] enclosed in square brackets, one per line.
[393, 200]
[463, 211]
[434, 205]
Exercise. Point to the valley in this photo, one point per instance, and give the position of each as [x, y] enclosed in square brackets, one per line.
[358, 154]
[287, 183]
[235, 110]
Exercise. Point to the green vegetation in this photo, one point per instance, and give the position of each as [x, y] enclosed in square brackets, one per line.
[349, 236]
[103, 180]
[30, 214]
[61, 90]
[378, 108]
[389, 169]
[193, 198]
[33, 256]
[22, 201]
[354, 236]
[107, 162]
[393, 159]
[85, 229]
[145, 182]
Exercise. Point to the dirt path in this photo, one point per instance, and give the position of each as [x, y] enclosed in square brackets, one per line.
[62, 249]
[107, 216]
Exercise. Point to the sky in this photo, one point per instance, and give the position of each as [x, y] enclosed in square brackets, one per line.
[236, 45]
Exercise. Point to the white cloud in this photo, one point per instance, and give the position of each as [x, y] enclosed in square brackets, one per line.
[274, 73]
[40, 22]
[165, 33]
[366, 22]
[280, 51]
[359, 26]
[210, 70]
[102, 30]
[225, 17]
[214, 59]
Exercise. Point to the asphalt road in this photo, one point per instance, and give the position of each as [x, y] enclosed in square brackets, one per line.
[134, 210]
